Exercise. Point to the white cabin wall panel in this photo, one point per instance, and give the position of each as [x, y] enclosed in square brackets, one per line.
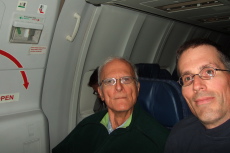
[134, 35]
[218, 37]
[178, 34]
[149, 39]
[86, 101]
[195, 32]
[2, 10]
[64, 70]
[214, 36]
[199, 33]
[31, 136]
[110, 37]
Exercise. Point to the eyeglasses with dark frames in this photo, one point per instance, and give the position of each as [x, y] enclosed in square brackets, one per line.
[113, 81]
[206, 73]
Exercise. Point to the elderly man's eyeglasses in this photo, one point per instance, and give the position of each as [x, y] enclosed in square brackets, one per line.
[206, 73]
[113, 81]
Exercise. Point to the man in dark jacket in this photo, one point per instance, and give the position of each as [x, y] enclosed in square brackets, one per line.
[124, 127]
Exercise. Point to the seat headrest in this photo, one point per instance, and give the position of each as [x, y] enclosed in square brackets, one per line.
[148, 70]
[152, 70]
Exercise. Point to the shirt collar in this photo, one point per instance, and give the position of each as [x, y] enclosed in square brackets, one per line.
[106, 122]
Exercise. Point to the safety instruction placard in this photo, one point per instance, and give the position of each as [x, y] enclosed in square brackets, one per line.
[42, 9]
[21, 5]
[38, 50]
[27, 18]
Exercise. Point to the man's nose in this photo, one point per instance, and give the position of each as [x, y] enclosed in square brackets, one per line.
[198, 83]
[118, 85]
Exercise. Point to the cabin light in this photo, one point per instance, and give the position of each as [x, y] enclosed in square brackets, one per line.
[189, 5]
[215, 19]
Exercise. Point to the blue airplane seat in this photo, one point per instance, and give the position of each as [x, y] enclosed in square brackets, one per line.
[177, 86]
[163, 100]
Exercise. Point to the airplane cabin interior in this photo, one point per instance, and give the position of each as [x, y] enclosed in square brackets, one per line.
[50, 48]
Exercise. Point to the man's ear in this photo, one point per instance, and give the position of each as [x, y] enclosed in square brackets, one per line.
[100, 93]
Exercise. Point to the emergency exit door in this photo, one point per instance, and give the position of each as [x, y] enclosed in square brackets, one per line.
[26, 31]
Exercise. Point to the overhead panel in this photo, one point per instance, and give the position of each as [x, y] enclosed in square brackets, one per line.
[196, 12]
[97, 2]
[189, 5]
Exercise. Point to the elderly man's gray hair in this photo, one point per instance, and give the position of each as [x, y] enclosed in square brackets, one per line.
[109, 59]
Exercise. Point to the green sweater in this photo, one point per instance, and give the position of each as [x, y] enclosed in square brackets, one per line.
[143, 135]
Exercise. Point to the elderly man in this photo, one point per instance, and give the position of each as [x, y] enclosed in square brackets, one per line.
[205, 79]
[124, 127]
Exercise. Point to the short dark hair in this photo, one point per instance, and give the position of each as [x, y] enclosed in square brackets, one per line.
[93, 78]
[195, 43]
[203, 41]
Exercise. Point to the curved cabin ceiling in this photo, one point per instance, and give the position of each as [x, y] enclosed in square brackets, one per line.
[210, 14]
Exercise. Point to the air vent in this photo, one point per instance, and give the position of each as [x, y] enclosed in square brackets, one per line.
[189, 5]
[215, 19]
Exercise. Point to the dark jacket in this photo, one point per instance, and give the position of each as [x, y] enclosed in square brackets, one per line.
[190, 136]
[143, 135]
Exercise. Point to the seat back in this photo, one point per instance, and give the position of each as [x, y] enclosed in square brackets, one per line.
[163, 100]
[152, 70]
[147, 70]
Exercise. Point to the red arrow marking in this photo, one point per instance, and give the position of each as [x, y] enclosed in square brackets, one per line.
[26, 83]
[12, 58]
